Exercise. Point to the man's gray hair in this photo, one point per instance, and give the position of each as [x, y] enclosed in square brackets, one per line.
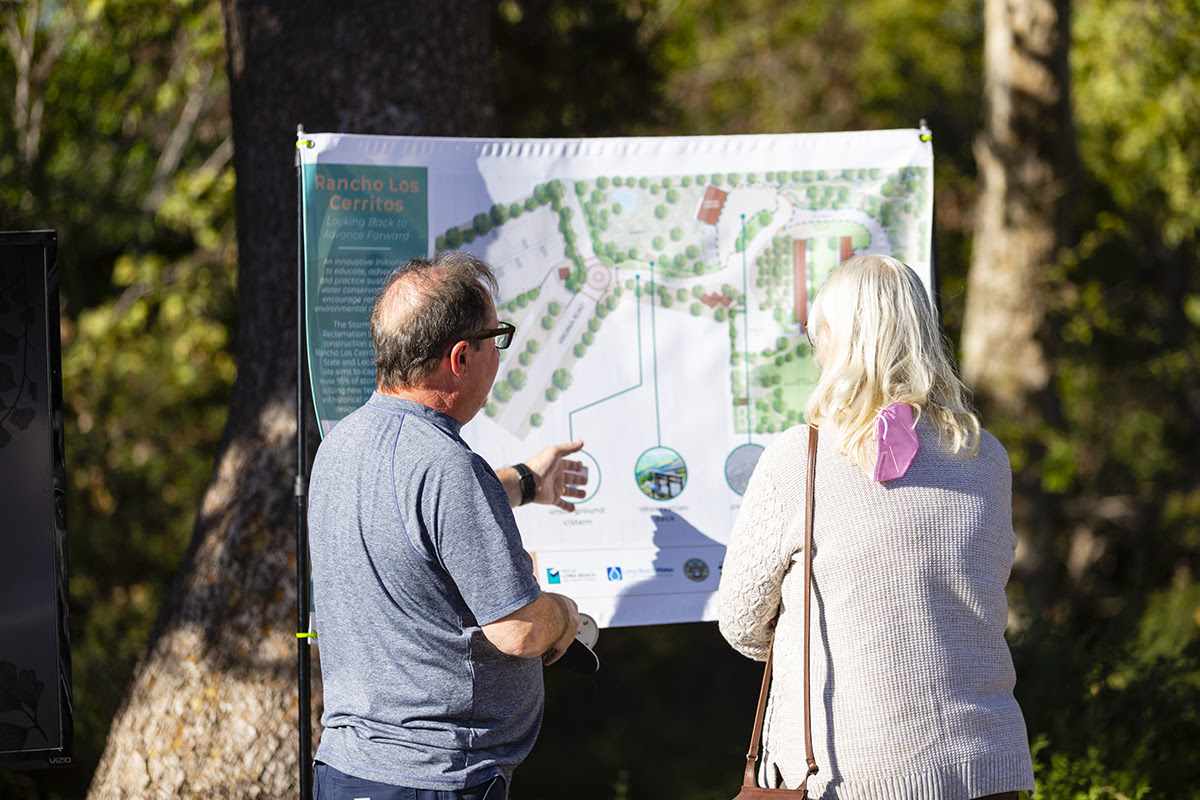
[424, 308]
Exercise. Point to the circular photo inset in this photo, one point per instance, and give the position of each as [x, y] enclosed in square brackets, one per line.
[740, 466]
[660, 473]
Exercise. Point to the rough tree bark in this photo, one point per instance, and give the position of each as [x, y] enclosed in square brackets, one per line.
[1026, 158]
[212, 707]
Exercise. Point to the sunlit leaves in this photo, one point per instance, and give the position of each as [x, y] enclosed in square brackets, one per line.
[1128, 314]
[1191, 307]
[1137, 68]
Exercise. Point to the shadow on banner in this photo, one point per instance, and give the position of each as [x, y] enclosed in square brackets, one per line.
[687, 570]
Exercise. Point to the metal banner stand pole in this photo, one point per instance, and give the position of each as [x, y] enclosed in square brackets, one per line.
[935, 280]
[303, 657]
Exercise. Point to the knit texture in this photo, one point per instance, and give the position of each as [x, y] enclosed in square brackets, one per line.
[911, 675]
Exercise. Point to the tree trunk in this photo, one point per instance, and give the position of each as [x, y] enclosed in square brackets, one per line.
[1025, 157]
[1026, 164]
[212, 707]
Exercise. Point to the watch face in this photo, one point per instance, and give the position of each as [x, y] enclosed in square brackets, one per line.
[588, 631]
[528, 483]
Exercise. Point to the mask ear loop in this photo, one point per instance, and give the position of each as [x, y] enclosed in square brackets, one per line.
[881, 436]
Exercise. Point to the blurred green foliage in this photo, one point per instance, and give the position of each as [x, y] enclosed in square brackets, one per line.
[1109, 669]
[114, 130]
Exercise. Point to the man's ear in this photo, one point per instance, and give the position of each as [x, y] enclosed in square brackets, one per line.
[459, 356]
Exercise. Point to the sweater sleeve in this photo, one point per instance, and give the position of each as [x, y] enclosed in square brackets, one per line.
[761, 550]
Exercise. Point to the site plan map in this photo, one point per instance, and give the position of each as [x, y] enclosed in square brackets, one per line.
[660, 288]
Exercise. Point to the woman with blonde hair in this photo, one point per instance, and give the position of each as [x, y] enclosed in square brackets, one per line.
[911, 676]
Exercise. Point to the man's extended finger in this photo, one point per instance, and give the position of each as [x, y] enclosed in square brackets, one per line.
[568, 448]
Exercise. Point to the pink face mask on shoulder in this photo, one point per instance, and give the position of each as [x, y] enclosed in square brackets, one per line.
[897, 438]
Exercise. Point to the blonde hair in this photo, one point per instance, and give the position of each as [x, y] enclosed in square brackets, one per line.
[881, 344]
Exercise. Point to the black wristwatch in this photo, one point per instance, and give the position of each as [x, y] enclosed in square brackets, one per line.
[528, 484]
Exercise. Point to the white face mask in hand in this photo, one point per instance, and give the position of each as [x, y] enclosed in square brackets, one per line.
[579, 656]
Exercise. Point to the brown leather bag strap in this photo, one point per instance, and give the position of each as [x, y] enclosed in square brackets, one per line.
[748, 781]
[808, 553]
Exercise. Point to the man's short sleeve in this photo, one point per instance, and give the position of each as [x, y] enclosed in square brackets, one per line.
[478, 543]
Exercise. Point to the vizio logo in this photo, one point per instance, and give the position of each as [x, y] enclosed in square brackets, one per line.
[614, 573]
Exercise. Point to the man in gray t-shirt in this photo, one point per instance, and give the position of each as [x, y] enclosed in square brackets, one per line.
[433, 629]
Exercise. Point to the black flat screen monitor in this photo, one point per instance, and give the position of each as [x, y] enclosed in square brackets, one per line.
[36, 719]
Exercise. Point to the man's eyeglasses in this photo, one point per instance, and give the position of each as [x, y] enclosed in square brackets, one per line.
[503, 335]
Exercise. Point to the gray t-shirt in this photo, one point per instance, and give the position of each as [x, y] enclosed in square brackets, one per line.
[414, 548]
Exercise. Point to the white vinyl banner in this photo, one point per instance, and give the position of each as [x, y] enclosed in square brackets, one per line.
[660, 288]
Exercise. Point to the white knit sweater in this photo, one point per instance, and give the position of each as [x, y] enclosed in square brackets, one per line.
[911, 675]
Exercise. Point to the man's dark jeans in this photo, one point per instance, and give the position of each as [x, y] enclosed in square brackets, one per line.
[333, 784]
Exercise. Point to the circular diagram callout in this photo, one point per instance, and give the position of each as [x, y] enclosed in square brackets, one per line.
[592, 468]
[740, 466]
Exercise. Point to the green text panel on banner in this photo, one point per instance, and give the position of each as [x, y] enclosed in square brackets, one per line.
[360, 222]
[660, 288]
